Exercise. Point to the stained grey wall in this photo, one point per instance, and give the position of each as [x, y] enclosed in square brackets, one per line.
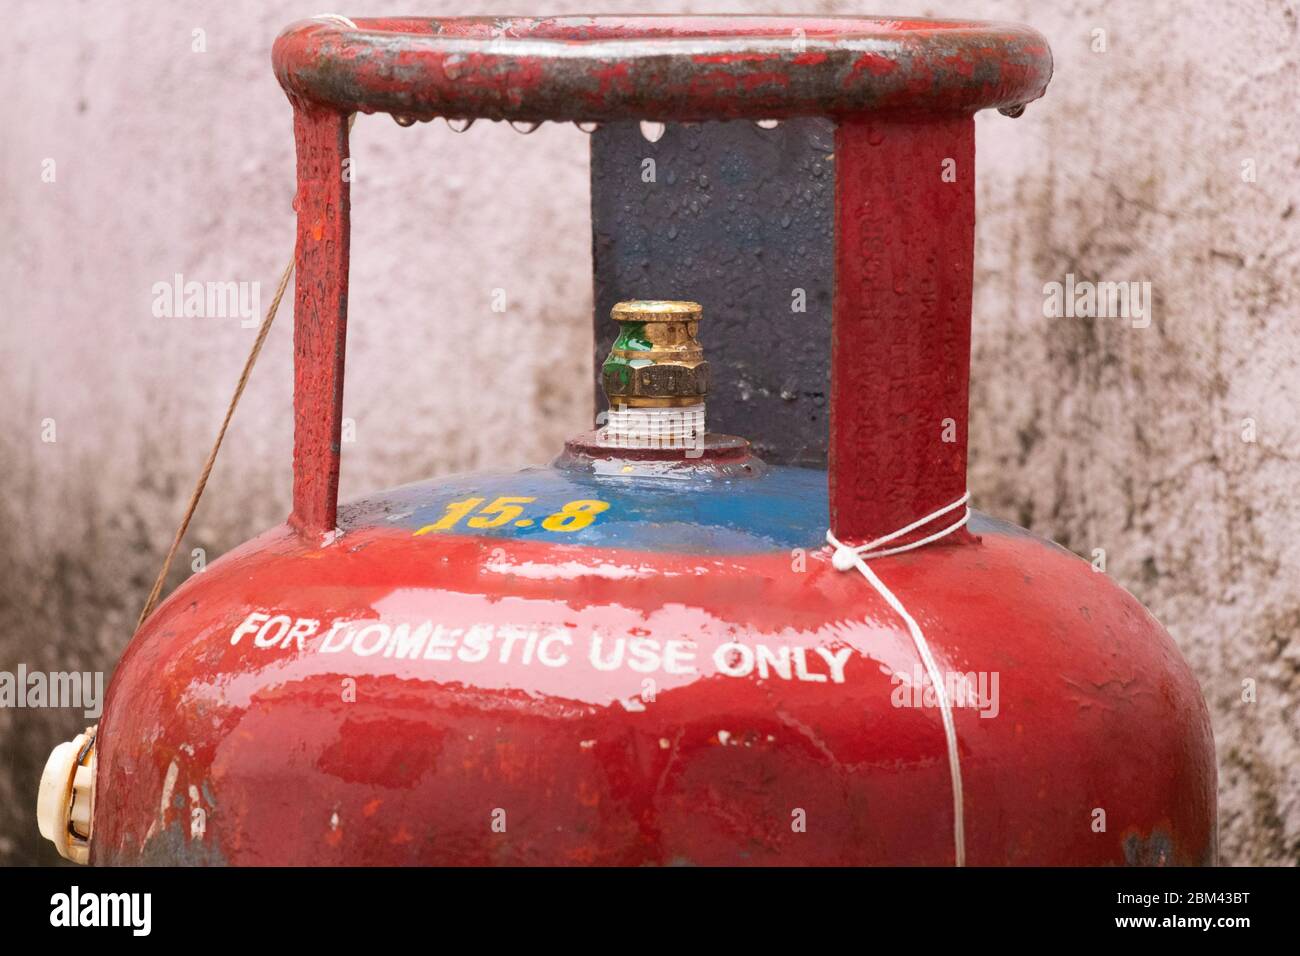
[1098, 434]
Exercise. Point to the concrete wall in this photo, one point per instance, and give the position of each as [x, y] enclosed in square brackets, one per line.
[1096, 433]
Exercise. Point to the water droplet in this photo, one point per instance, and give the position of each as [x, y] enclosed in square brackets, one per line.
[652, 131]
[458, 125]
[523, 126]
[401, 119]
[587, 127]
[767, 123]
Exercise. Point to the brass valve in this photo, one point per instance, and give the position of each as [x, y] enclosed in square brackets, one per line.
[656, 361]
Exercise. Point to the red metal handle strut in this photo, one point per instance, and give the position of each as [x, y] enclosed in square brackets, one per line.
[903, 93]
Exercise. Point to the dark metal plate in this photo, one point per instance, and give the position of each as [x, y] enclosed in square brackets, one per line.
[739, 219]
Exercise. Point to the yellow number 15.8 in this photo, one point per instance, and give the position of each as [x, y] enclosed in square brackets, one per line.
[574, 516]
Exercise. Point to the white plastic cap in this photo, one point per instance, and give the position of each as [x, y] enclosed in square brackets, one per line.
[65, 802]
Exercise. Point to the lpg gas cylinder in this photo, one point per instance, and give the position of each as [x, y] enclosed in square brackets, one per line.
[660, 649]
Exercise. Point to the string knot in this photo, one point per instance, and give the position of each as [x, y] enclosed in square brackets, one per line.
[844, 558]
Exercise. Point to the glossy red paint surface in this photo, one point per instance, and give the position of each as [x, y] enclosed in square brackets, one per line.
[1095, 710]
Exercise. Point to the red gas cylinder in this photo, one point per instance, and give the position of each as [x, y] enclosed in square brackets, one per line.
[647, 652]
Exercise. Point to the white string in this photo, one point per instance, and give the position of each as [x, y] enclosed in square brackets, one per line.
[846, 558]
